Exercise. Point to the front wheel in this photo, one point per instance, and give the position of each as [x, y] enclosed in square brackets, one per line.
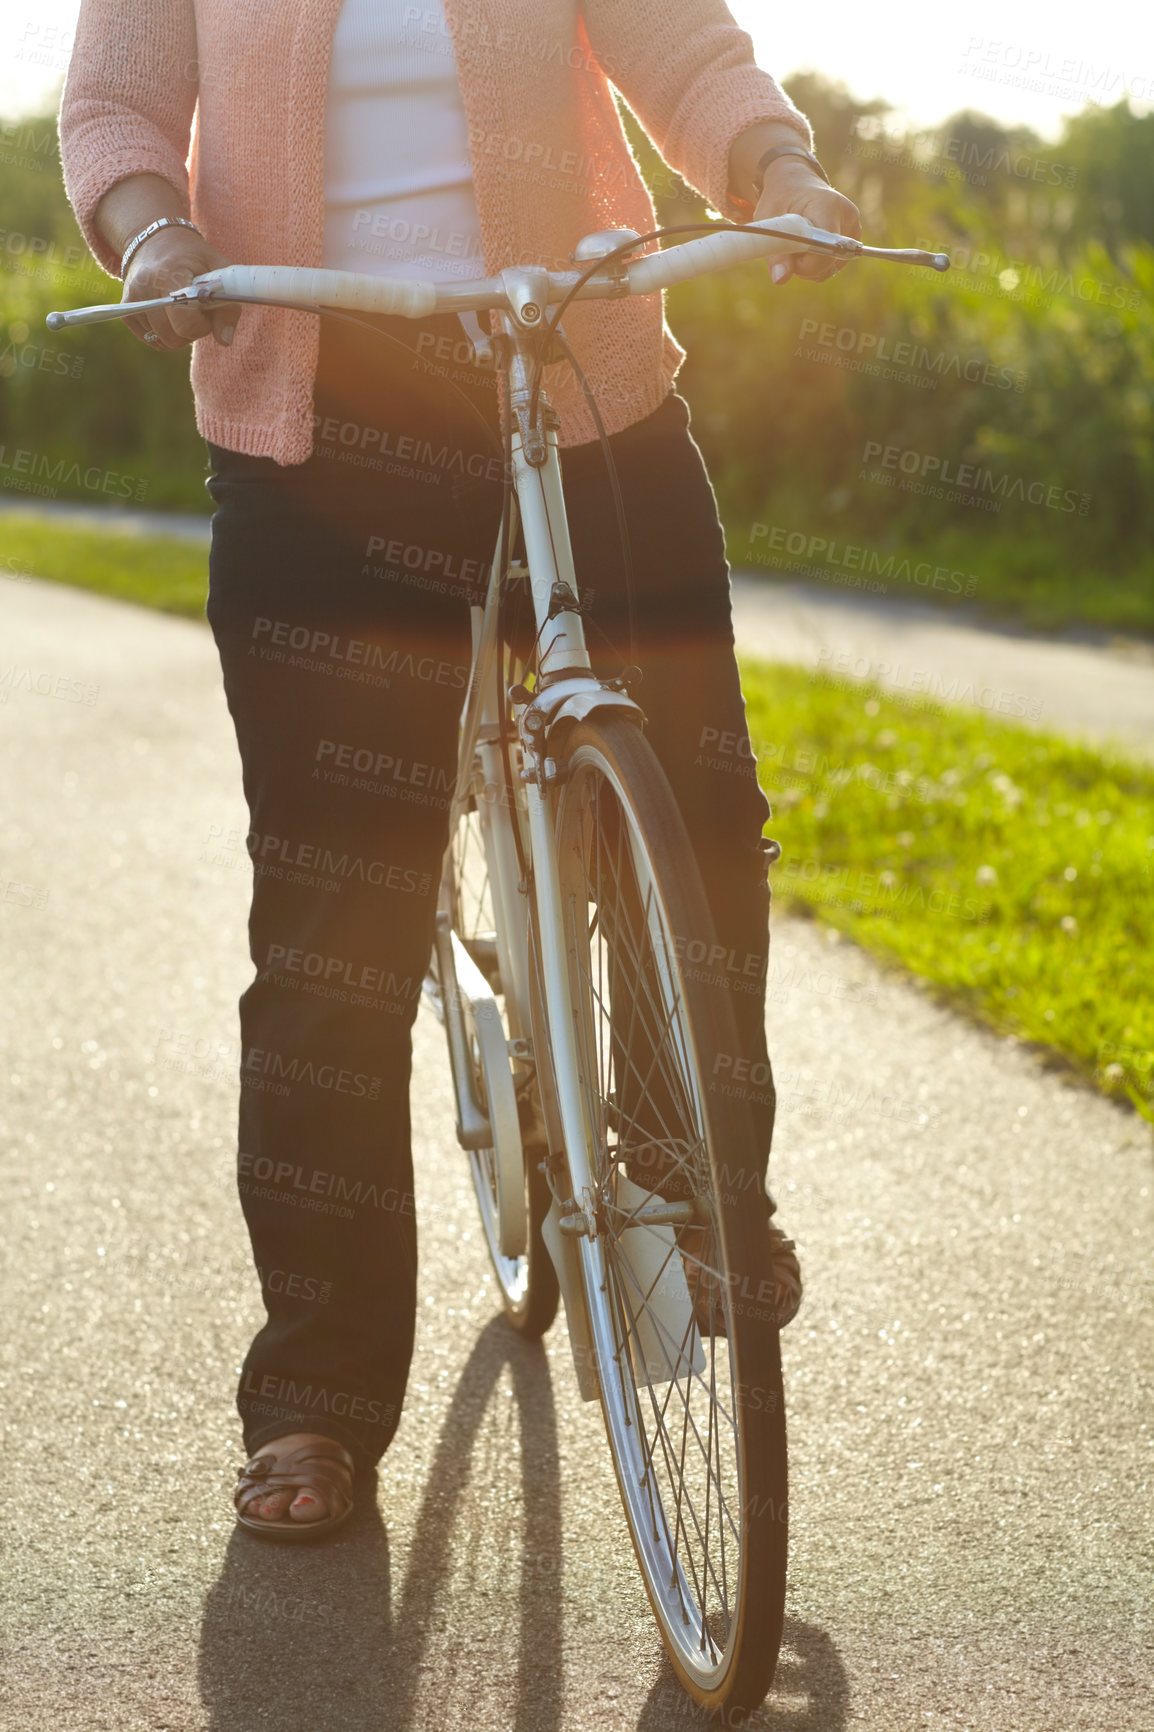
[673, 1233]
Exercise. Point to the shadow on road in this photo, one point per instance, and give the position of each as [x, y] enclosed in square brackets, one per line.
[307, 1639]
[810, 1693]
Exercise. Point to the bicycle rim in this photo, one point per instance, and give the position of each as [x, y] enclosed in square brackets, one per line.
[680, 1313]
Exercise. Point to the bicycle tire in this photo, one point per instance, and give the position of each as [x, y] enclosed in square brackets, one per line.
[633, 906]
[527, 1284]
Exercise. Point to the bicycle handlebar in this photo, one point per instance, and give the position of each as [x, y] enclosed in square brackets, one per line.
[789, 234]
[311, 289]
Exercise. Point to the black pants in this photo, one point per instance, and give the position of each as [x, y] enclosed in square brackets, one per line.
[339, 595]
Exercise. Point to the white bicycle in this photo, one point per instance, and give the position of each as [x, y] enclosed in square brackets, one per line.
[581, 1044]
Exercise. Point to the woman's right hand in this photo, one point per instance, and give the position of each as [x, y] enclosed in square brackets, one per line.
[168, 260]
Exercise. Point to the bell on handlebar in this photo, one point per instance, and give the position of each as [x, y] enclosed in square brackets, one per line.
[601, 244]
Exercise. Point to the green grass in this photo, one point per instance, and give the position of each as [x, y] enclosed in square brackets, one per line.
[155, 571]
[1049, 586]
[1012, 869]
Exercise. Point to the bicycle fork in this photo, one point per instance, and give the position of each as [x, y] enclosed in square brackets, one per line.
[565, 691]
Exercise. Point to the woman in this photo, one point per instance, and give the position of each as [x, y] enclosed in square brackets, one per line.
[357, 496]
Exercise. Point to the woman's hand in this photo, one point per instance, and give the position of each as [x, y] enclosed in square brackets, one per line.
[168, 260]
[792, 185]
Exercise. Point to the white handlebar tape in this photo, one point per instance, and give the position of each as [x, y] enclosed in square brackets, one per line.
[715, 252]
[313, 288]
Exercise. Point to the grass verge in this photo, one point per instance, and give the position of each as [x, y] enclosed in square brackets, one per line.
[1012, 869]
[155, 571]
[1013, 575]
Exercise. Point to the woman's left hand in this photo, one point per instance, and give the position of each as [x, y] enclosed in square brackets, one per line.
[792, 185]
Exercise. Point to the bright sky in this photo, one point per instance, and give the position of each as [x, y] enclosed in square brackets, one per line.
[1018, 60]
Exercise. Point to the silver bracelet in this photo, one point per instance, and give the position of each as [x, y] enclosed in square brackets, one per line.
[138, 241]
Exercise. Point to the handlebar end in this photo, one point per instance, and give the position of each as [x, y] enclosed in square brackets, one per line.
[56, 321]
[940, 262]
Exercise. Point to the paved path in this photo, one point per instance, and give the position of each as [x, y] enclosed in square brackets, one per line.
[969, 1380]
[1101, 690]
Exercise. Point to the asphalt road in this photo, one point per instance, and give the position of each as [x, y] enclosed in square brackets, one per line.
[1100, 688]
[969, 1380]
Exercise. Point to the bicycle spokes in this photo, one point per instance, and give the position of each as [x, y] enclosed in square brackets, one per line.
[665, 1282]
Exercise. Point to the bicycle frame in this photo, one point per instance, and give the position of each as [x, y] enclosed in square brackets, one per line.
[567, 690]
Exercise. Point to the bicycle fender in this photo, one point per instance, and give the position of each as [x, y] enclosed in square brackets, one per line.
[584, 704]
[574, 700]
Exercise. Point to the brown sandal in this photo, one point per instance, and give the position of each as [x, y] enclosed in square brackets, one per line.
[325, 1466]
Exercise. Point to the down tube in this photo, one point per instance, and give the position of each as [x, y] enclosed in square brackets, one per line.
[481, 742]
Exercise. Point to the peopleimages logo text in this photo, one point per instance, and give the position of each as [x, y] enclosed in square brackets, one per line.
[876, 346]
[855, 557]
[49, 472]
[974, 479]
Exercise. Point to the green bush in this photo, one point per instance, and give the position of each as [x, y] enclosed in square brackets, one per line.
[1027, 370]
[85, 414]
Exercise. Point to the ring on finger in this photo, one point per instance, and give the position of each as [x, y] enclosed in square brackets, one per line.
[151, 337]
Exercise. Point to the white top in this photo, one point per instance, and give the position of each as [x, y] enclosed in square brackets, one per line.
[398, 181]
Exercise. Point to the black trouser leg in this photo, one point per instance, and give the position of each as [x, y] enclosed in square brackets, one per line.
[690, 693]
[344, 675]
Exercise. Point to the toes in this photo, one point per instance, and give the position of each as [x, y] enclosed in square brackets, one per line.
[307, 1507]
[272, 1506]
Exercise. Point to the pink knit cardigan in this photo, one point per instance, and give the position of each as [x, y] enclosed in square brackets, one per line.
[225, 99]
